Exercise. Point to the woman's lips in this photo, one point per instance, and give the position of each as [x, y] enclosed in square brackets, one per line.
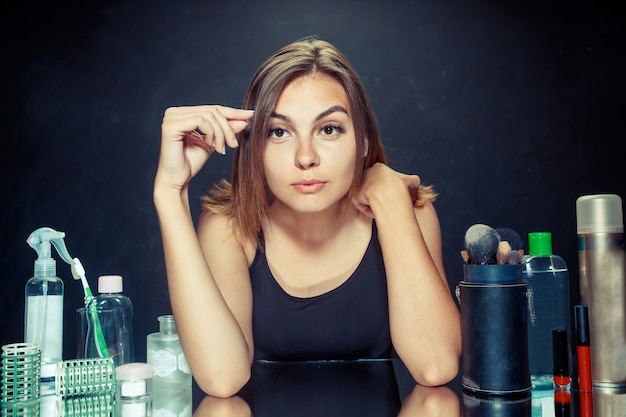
[308, 186]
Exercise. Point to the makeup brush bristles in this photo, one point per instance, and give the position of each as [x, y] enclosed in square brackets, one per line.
[486, 245]
[503, 253]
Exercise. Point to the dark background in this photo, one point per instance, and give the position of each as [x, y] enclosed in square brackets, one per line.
[511, 109]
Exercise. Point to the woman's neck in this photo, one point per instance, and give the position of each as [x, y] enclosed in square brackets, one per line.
[310, 228]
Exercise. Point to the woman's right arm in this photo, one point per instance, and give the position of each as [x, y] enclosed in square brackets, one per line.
[215, 347]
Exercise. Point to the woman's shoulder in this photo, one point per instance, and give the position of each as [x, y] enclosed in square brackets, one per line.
[217, 233]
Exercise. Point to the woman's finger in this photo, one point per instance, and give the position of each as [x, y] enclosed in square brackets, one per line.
[218, 124]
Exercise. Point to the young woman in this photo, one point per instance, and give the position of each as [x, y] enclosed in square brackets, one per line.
[316, 249]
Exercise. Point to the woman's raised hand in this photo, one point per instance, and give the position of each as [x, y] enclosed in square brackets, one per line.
[189, 135]
[384, 184]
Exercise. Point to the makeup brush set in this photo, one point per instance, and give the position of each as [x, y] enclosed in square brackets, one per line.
[493, 301]
[485, 245]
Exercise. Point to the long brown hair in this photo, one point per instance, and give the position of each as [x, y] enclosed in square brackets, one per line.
[246, 198]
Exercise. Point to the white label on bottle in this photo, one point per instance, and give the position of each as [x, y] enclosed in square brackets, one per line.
[163, 363]
[44, 326]
[182, 364]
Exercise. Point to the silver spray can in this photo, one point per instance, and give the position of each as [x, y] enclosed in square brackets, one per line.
[602, 275]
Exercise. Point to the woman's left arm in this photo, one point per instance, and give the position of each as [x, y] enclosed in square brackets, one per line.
[424, 319]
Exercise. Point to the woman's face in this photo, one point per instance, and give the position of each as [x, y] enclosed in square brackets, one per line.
[310, 150]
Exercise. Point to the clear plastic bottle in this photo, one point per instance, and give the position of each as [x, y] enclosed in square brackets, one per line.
[43, 308]
[166, 357]
[547, 277]
[115, 314]
[44, 323]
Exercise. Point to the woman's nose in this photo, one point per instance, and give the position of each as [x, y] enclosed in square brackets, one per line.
[306, 155]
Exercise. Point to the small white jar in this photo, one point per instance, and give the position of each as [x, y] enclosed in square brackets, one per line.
[133, 381]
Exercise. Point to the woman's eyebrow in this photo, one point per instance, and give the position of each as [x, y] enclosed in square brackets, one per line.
[330, 111]
[320, 116]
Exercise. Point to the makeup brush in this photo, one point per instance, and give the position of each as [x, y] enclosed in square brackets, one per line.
[509, 235]
[515, 257]
[515, 242]
[503, 253]
[481, 243]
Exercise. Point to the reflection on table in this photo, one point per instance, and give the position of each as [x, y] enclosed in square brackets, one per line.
[346, 388]
[342, 388]
[385, 388]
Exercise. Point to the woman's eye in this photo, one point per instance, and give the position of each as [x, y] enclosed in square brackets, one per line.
[276, 133]
[330, 130]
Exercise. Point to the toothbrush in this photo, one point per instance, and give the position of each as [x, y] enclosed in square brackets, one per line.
[78, 272]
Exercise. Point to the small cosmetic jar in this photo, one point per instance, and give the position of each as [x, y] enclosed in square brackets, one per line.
[133, 381]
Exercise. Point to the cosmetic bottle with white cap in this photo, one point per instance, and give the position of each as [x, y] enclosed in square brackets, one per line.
[602, 267]
[115, 314]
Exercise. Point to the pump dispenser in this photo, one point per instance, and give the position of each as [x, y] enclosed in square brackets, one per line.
[43, 312]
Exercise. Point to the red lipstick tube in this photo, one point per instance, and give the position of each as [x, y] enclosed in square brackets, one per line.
[583, 347]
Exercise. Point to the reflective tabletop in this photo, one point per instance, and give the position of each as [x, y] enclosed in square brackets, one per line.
[337, 388]
[385, 388]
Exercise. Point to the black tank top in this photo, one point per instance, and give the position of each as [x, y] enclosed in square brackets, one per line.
[348, 322]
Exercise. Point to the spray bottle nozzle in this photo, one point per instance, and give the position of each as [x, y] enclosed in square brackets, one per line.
[40, 241]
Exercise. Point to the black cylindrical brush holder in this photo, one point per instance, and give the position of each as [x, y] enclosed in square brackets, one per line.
[494, 310]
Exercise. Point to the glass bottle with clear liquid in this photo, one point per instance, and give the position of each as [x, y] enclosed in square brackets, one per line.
[547, 277]
[165, 355]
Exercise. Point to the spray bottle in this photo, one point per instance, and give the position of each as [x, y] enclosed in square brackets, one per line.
[602, 267]
[43, 313]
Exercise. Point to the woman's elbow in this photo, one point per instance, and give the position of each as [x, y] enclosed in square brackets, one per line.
[437, 372]
[224, 386]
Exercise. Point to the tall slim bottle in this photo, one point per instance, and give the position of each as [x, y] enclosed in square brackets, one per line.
[43, 308]
[602, 267]
[44, 321]
[548, 280]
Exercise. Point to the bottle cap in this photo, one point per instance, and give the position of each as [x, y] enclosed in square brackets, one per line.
[539, 243]
[129, 371]
[599, 213]
[110, 284]
[581, 323]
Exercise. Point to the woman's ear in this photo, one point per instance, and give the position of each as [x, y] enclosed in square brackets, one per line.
[366, 147]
